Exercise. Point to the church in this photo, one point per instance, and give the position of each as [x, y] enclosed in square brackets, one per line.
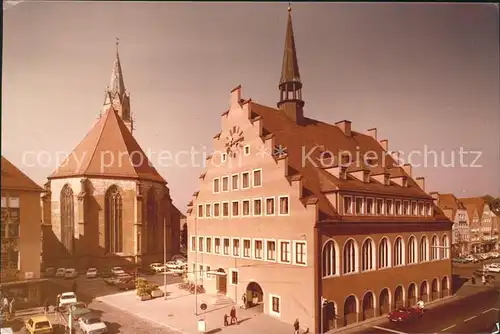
[106, 204]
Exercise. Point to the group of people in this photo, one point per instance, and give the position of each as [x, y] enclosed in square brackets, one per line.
[231, 319]
[8, 306]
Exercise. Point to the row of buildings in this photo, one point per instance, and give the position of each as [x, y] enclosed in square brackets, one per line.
[330, 239]
[475, 224]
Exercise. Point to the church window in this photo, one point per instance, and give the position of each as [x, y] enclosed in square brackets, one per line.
[113, 220]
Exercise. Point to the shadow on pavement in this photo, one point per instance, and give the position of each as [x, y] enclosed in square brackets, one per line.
[16, 324]
[214, 331]
[458, 282]
[113, 327]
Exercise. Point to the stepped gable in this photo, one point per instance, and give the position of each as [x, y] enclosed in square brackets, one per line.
[109, 151]
[472, 203]
[14, 179]
[299, 138]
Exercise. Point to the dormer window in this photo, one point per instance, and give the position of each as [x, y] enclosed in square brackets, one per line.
[359, 205]
[405, 182]
[345, 159]
[347, 205]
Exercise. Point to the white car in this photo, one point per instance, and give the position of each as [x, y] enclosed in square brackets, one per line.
[493, 269]
[90, 323]
[70, 273]
[67, 298]
[60, 272]
[117, 270]
[171, 265]
[158, 267]
[91, 273]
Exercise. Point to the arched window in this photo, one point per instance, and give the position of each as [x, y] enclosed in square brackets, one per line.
[350, 257]
[399, 252]
[113, 220]
[445, 251]
[330, 259]
[384, 254]
[67, 218]
[424, 249]
[412, 250]
[434, 248]
[152, 221]
[367, 254]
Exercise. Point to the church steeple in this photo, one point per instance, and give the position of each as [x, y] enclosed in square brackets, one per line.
[290, 85]
[117, 96]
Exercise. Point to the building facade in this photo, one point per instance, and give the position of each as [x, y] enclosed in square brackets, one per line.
[106, 204]
[289, 214]
[456, 211]
[21, 235]
[483, 230]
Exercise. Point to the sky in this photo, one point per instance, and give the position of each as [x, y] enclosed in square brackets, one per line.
[426, 75]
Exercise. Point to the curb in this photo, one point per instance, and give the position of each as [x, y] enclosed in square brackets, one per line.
[372, 321]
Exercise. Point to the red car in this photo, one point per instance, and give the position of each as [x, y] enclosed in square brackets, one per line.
[405, 314]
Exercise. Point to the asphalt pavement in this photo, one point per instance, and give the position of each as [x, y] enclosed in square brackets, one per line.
[477, 313]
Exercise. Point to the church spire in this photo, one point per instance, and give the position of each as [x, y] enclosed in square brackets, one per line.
[117, 96]
[290, 85]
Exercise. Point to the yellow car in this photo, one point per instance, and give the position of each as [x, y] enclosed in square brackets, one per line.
[39, 325]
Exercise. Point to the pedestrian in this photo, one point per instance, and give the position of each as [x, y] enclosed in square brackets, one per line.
[74, 286]
[420, 305]
[296, 326]
[46, 306]
[234, 319]
[11, 306]
[244, 300]
[226, 322]
[483, 279]
[5, 304]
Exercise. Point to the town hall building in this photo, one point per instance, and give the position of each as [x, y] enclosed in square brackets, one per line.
[106, 204]
[290, 216]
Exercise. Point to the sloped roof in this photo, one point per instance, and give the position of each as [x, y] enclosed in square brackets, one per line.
[316, 180]
[471, 203]
[108, 150]
[14, 179]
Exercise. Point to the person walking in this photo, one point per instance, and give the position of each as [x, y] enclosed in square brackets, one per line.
[46, 306]
[5, 304]
[244, 300]
[11, 306]
[296, 326]
[226, 322]
[483, 280]
[234, 319]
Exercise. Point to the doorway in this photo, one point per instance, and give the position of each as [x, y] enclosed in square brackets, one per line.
[221, 281]
[255, 296]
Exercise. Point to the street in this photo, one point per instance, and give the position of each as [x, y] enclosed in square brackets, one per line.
[476, 313]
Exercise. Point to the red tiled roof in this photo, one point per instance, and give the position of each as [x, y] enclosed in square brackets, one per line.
[301, 138]
[14, 179]
[108, 150]
[472, 203]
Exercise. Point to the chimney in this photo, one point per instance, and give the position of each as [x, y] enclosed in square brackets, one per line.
[235, 96]
[435, 196]
[345, 126]
[385, 144]
[383, 178]
[406, 168]
[372, 133]
[421, 182]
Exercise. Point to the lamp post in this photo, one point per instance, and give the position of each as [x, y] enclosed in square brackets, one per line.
[165, 257]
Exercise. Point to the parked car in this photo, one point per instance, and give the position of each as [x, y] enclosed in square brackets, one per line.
[179, 258]
[146, 270]
[493, 269]
[70, 273]
[172, 265]
[66, 299]
[113, 280]
[157, 267]
[78, 309]
[106, 272]
[471, 258]
[91, 273]
[126, 284]
[91, 323]
[117, 270]
[460, 260]
[6, 330]
[49, 272]
[39, 325]
[405, 314]
[60, 272]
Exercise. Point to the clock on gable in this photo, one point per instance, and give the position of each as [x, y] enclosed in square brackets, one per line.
[233, 141]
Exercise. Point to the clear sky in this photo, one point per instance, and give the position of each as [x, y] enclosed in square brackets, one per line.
[426, 75]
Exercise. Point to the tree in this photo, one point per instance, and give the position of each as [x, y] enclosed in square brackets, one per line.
[494, 203]
[184, 235]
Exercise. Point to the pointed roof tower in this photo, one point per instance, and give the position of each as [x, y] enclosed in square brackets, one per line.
[290, 85]
[116, 95]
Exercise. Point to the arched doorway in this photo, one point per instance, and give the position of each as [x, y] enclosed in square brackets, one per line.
[384, 304]
[399, 297]
[255, 296]
[221, 281]
[368, 306]
[330, 316]
[424, 293]
[350, 310]
[435, 289]
[412, 294]
[445, 289]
